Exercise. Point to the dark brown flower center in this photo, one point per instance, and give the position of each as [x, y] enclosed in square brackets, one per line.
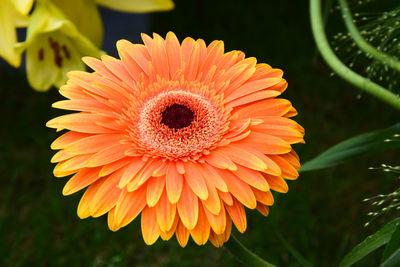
[177, 116]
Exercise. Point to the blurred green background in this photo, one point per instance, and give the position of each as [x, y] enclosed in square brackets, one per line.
[321, 217]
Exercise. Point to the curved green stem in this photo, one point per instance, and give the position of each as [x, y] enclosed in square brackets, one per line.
[362, 43]
[244, 255]
[341, 69]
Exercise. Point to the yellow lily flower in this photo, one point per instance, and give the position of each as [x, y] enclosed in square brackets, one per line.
[53, 47]
[137, 6]
[13, 14]
[86, 17]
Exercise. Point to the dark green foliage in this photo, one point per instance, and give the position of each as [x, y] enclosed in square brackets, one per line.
[364, 144]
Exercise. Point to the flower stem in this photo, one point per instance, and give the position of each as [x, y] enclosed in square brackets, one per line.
[244, 255]
[362, 43]
[341, 69]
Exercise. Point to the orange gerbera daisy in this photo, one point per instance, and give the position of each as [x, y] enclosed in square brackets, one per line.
[184, 134]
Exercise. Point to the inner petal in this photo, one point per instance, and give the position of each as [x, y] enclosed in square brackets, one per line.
[177, 124]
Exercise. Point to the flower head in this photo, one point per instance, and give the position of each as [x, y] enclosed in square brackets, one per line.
[184, 134]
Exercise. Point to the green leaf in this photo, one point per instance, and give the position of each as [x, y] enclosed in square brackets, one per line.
[391, 256]
[355, 146]
[370, 244]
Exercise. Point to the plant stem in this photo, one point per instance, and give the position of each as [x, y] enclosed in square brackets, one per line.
[244, 255]
[362, 43]
[341, 69]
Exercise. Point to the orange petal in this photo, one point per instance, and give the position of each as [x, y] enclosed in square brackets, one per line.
[148, 41]
[155, 187]
[213, 176]
[195, 180]
[292, 112]
[144, 174]
[243, 157]
[219, 239]
[265, 143]
[117, 68]
[88, 105]
[251, 87]
[273, 168]
[285, 133]
[238, 74]
[215, 51]
[228, 229]
[108, 155]
[216, 240]
[254, 97]
[186, 48]
[268, 107]
[292, 158]
[114, 166]
[67, 139]
[212, 203]
[173, 183]
[251, 177]
[60, 156]
[98, 66]
[217, 222]
[165, 213]
[180, 167]
[161, 171]
[174, 53]
[237, 127]
[80, 180]
[201, 231]
[134, 56]
[271, 121]
[280, 87]
[106, 196]
[288, 171]
[93, 144]
[239, 189]
[129, 206]
[73, 164]
[238, 215]
[277, 183]
[124, 50]
[227, 61]
[188, 207]
[265, 198]
[159, 57]
[191, 68]
[226, 197]
[168, 234]
[61, 173]
[73, 91]
[220, 160]
[263, 209]
[80, 122]
[111, 220]
[131, 170]
[84, 203]
[95, 84]
[202, 56]
[150, 231]
[182, 234]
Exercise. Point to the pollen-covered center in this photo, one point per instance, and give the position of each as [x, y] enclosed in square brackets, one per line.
[177, 116]
[176, 124]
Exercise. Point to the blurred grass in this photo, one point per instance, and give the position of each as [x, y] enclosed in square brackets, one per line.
[321, 217]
